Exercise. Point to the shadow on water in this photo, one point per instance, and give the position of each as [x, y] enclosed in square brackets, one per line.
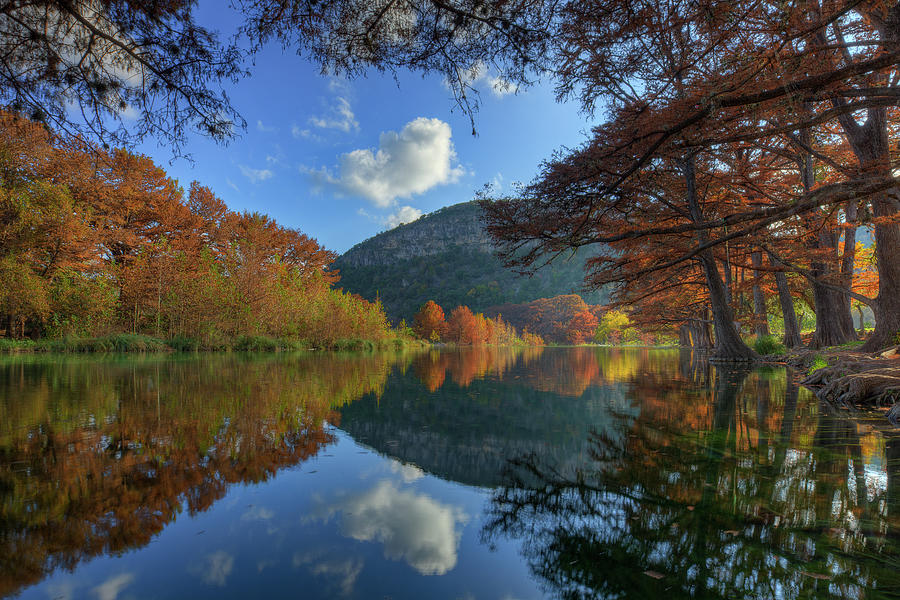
[760, 496]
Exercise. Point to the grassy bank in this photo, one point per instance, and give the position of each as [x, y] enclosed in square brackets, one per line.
[127, 342]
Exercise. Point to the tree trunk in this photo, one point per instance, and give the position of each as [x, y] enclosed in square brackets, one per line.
[887, 255]
[834, 323]
[791, 326]
[870, 144]
[761, 321]
[848, 258]
[729, 346]
[862, 321]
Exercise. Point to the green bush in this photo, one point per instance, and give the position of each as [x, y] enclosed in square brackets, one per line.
[768, 344]
[183, 343]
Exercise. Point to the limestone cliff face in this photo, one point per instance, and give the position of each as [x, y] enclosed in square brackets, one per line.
[457, 226]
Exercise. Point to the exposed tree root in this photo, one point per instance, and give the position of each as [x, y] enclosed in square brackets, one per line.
[870, 381]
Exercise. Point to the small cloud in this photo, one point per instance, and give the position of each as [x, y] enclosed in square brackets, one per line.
[257, 513]
[341, 118]
[255, 175]
[479, 73]
[111, 588]
[215, 569]
[336, 85]
[342, 572]
[408, 473]
[260, 126]
[129, 113]
[305, 134]
[232, 185]
[404, 214]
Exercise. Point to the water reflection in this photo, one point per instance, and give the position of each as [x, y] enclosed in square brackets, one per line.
[97, 456]
[741, 494]
[610, 473]
[522, 402]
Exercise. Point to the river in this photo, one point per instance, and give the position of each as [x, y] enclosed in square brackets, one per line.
[486, 473]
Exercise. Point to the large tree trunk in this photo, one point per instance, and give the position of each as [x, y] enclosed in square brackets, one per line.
[729, 345]
[848, 259]
[791, 327]
[887, 254]
[832, 326]
[834, 321]
[761, 321]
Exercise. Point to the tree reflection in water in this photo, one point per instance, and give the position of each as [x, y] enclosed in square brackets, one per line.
[749, 493]
[98, 456]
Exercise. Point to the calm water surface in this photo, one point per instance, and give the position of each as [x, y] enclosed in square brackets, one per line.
[484, 474]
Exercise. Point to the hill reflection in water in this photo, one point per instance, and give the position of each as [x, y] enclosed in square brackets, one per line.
[606, 473]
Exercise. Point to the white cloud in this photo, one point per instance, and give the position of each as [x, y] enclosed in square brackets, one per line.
[255, 175]
[479, 73]
[112, 587]
[265, 128]
[404, 214]
[305, 134]
[336, 85]
[411, 162]
[232, 185]
[413, 527]
[257, 513]
[341, 118]
[408, 472]
[216, 568]
[343, 572]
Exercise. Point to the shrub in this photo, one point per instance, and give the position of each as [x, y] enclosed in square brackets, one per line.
[768, 344]
[261, 343]
[354, 345]
[183, 343]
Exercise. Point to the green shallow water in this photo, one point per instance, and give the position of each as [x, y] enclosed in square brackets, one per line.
[485, 474]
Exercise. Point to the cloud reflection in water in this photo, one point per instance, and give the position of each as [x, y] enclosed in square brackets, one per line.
[413, 527]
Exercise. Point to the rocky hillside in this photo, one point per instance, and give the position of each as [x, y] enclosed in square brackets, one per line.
[445, 256]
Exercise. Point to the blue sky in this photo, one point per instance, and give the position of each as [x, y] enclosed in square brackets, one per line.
[310, 154]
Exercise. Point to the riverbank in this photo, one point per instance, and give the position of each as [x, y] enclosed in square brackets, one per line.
[127, 342]
[848, 378]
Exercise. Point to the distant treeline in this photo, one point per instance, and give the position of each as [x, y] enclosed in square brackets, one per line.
[568, 319]
[467, 328]
[96, 241]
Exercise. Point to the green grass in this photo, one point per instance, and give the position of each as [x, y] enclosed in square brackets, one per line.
[127, 342]
[8, 345]
[817, 363]
[120, 342]
[354, 345]
[261, 343]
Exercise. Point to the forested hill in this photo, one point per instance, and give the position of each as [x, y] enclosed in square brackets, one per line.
[447, 257]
